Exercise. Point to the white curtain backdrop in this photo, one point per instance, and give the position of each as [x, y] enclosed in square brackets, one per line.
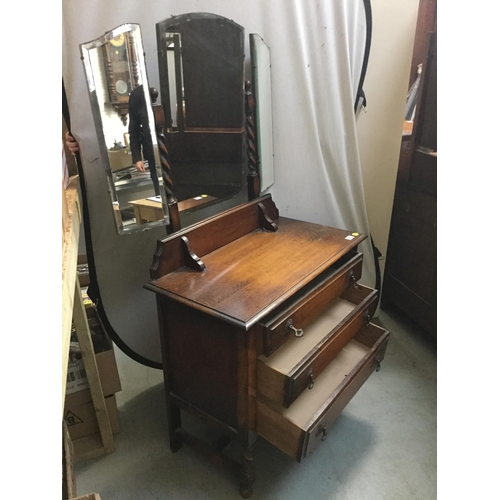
[317, 50]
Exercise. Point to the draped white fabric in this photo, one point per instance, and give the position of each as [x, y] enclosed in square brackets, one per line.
[317, 50]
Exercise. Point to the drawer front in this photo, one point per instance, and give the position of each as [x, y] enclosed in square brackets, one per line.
[297, 430]
[297, 312]
[303, 377]
[294, 367]
[318, 431]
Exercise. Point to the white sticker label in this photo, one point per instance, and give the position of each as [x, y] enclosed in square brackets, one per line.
[350, 237]
[76, 378]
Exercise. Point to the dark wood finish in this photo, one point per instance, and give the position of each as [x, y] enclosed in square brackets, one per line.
[309, 302]
[190, 258]
[253, 181]
[265, 222]
[285, 387]
[211, 234]
[231, 286]
[211, 321]
[410, 277]
[426, 22]
[297, 435]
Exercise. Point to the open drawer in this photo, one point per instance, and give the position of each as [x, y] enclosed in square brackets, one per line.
[294, 367]
[297, 430]
[308, 302]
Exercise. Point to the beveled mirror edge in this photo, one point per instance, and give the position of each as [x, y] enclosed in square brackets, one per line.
[263, 101]
[85, 49]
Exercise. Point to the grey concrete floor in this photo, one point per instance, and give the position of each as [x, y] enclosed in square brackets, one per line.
[382, 447]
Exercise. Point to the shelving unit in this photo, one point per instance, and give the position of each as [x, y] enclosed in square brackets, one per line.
[73, 310]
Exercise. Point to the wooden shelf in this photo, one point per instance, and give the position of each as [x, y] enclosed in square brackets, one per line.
[73, 310]
[71, 234]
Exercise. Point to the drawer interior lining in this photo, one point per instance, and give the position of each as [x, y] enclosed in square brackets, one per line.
[286, 357]
[309, 402]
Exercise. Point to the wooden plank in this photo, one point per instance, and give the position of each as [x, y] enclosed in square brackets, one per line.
[89, 361]
[71, 234]
[69, 480]
[87, 448]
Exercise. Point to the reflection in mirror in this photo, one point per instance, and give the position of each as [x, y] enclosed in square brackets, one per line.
[201, 64]
[261, 72]
[121, 105]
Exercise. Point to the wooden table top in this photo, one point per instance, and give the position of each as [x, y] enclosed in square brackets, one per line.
[144, 202]
[244, 279]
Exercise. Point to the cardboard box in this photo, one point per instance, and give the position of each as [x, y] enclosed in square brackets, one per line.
[77, 391]
[79, 412]
[82, 421]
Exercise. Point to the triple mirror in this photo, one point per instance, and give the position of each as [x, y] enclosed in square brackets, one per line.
[205, 135]
[194, 153]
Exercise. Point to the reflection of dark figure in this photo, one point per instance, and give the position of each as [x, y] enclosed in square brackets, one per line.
[140, 135]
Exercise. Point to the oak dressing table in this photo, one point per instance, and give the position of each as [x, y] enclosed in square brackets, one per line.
[264, 329]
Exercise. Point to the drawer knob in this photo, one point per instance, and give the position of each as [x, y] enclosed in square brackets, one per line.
[368, 317]
[322, 430]
[310, 376]
[298, 331]
[352, 278]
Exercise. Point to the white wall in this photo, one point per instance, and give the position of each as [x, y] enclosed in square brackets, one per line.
[379, 129]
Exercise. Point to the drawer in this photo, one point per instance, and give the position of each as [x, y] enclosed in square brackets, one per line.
[294, 367]
[308, 302]
[297, 430]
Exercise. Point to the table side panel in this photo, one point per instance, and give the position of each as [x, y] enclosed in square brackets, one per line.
[203, 361]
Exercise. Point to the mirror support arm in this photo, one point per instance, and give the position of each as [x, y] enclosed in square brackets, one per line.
[253, 180]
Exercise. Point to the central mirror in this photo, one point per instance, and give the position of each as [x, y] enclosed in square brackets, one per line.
[201, 63]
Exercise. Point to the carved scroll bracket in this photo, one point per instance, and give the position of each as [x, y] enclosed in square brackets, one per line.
[190, 258]
[265, 222]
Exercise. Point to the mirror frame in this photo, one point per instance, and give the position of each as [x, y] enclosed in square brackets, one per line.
[188, 206]
[85, 50]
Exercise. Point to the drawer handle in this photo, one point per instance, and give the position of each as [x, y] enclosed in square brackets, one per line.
[322, 430]
[352, 278]
[310, 376]
[298, 331]
[368, 317]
